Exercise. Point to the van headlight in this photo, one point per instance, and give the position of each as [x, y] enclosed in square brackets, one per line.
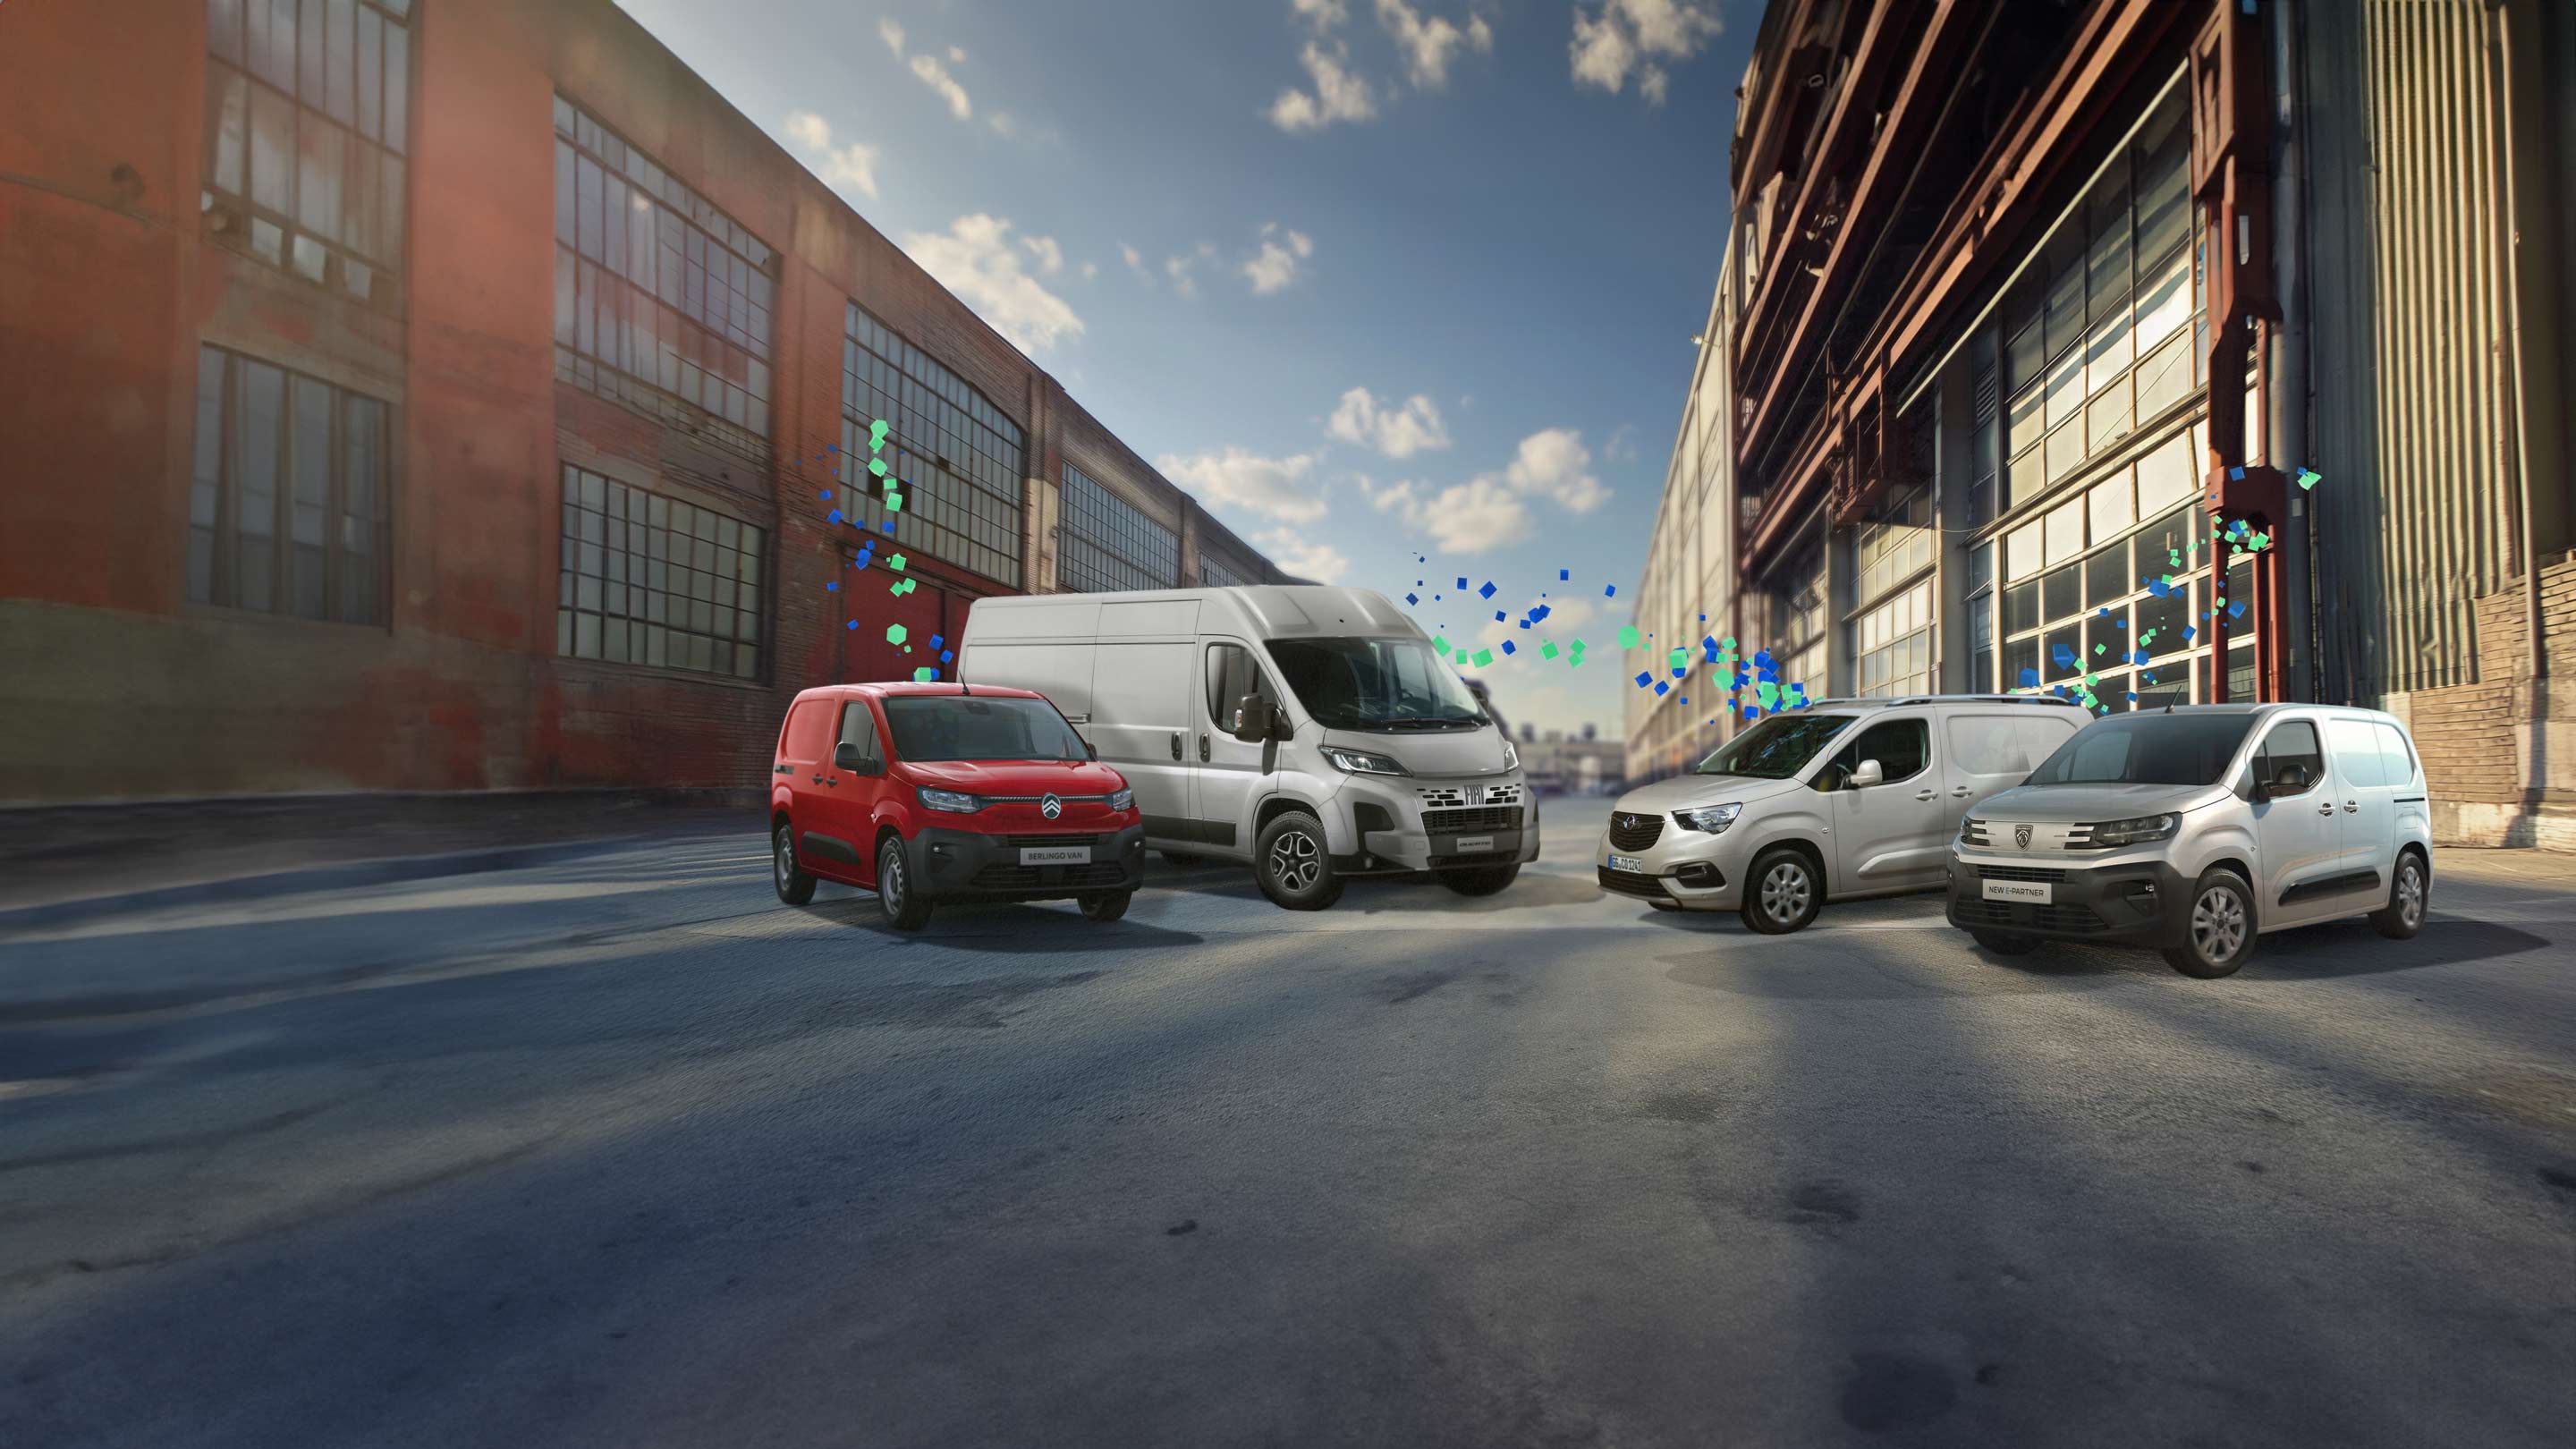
[1511, 756]
[1123, 800]
[953, 801]
[2136, 832]
[1709, 819]
[1362, 762]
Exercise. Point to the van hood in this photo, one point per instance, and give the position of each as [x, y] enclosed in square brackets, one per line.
[2093, 804]
[1014, 777]
[1683, 792]
[1435, 753]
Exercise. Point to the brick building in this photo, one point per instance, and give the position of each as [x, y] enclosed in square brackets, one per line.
[434, 395]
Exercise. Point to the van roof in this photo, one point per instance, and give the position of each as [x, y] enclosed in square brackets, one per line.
[1267, 611]
[906, 688]
[1884, 702]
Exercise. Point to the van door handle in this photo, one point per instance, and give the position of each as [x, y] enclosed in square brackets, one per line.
[1176, 746]
[1927, 794]
[1961, 793]
[818, 779]
[2350, 806]
[2326, 809]
[1203, 749]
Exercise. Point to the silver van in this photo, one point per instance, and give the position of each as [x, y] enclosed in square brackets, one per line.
[1838, 799]
[2194, 829]
[1311, 733]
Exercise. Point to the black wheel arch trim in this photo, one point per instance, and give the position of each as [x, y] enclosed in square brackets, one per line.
[828, 847]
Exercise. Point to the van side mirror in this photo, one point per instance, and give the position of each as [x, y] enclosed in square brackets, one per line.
[1257, 719]
[846, 757]
[1867, 775]
[1090, 751]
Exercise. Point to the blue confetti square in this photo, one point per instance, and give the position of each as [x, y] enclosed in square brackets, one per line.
[936, 640]
[1508, 646]
[851, 625]
[1525, 623]
[1662, 688]
[1410, 599]
[1563, 575]
[1644, 679]
[1462, 581]
[947, 656]
[2236, 610]
[2029, 677]
[1609, 591]
[1487, 591]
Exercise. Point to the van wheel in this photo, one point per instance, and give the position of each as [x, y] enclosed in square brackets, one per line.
[1783, 893]
[905, 908]
[1105, 905]
[2409, 895]
[2219, 934]
[1484, 880]
[1295, 869]
[2003, 944]
[795, 887]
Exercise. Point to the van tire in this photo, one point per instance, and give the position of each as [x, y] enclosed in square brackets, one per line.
[795, 887]
[1294, 863]
[1776, 907]
[905, 907]
[2005, 944]
[2410, 895]
[2218, 927]
[1483, 880]
[1104, 905]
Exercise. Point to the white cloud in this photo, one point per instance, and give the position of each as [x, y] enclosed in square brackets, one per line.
[975, 259]
[1182, 268]
[1465, 518]
[1395, 431]
[1637, 37]
[1275, 265]
[1273, 487]
[1552, 462]
[1303, 557]
[853, 165]
[936, 76]
[1338, 95]
[1050, 257]
[1136, 263]
[1429, 43]
[892, 34]
[1003, 126]
[1325, 14]
[956, 55]
[1090, 270]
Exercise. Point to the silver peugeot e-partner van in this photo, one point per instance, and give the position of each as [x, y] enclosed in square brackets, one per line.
[2196, 828]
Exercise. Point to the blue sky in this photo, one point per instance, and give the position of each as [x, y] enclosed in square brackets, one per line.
[1372, 278]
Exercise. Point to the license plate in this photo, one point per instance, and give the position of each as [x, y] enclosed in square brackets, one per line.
[1470, 844]
[2029, 892]
[1628, 863]
[1055, 855]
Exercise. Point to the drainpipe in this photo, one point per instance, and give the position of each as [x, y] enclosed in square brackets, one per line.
[2501, 60]
[2285, 363]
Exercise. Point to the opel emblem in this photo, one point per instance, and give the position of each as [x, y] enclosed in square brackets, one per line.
[2021, 837]
[1051, 807]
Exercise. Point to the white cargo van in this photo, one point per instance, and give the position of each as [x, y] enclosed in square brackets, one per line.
[1309, 732]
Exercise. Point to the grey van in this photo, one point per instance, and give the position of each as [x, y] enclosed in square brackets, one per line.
[2194, 829]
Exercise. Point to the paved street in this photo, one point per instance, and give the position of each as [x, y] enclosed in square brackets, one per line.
[622, 1152]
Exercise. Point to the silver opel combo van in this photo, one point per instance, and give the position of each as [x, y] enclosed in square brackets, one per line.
[2195, 829]
[1837, 799]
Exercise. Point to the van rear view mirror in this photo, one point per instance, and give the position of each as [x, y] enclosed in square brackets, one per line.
[1257, 719]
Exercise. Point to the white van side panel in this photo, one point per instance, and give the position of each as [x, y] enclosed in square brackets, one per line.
[1140, 697]
[1150, 619]
[1061, 670]
[1049, 616]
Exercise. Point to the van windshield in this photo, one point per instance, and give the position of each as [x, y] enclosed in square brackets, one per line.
[1375, 684]
[2147, 749]
[968, 727]
[1777, 748]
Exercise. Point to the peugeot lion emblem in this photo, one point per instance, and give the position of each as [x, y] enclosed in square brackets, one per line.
[1051, 807]
[2021, 837]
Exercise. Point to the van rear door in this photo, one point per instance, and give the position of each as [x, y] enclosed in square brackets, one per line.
[1141, 677]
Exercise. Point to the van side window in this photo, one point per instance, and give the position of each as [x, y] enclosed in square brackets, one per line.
[859, 727]
[1902, 748]
[2356, 752]
[2397, 762]
[2290, 762]
[1987, 744]
[1232, 673]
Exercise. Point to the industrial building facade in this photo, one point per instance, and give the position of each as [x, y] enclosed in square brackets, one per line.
[438, 395]
[2030, 296]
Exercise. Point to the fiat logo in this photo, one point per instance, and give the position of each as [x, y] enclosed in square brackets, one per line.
[1051, 807]
[2021, 837]
[1475, 794]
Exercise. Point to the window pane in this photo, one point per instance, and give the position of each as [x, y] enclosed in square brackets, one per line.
[341, 80]
[371, 73]
[2026, 420]
[272, 151]
[2065, 450]
[2107, 418]
[2106, 576]
[398, 87]
[261, 412]
[2023, 551]
[2161, 623]
[2062, 658]
[310, 468]
[2165, 477]
[2065, 532]
[317, 191]
[224, 29]
[228, 124]
[2062, 593]
[2021, 662]
[389, 233]
[2106, 351]
[312, 52]
[272, 42]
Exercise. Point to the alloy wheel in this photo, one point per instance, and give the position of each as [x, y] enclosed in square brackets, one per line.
[2217, 924]
[2410, 893]
[782, 861]
[1295, 861]
[1784, 892]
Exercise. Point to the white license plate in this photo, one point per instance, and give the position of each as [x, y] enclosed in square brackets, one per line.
[1628, 863]
[2029, 892]
[1470, 844]
[1055, 855]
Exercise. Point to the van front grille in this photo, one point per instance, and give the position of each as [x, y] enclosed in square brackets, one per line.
[1463, 822]
[2005, 915]
[2019, 872]
[1629, 883]
[1034, 877]
[1635, 832]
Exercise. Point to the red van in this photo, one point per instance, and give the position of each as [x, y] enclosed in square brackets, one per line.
[948, 792]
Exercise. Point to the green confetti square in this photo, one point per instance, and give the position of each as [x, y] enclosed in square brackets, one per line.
[894, 503]
[896, 563]
[1484, 657]
[1440, 646]
[1628, 637]
[1680, 659]
[1547, 650]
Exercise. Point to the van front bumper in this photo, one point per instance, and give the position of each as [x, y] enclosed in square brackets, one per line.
[1688, 868]
[2130, 903]
[961, 865]
[1411, 823]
